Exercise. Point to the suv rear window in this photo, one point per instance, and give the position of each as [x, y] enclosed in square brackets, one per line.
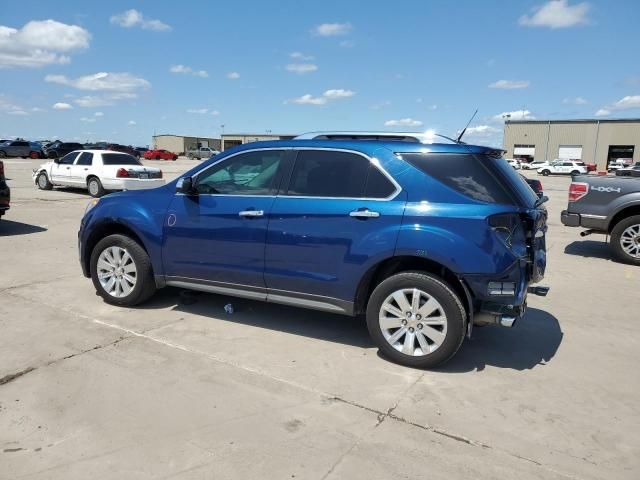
[480, 177]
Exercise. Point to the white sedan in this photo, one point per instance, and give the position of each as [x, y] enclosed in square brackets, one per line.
[99, 171]
[535, 165]
[514, 163]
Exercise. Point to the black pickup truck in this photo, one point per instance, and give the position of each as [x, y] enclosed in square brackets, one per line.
[5, 193]
[608, 205]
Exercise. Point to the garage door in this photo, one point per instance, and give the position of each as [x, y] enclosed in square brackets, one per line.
[522, 150]
[570, 152]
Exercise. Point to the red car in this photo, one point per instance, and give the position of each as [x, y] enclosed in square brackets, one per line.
[160, 155]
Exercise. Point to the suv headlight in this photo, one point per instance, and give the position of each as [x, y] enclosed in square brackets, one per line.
[92, 204]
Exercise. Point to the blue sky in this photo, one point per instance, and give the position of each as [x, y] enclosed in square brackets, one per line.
[122, 70]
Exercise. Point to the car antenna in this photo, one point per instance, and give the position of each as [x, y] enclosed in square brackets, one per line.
[458, 140]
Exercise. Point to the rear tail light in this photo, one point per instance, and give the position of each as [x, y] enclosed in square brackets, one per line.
[160, 174]
[577, 190]
[122, 173]
[1, 170]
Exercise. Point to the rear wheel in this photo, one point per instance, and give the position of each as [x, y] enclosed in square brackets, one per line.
[95, 187]
[121, 271]
[43, 181]
[416, 319]
[575, 172]
[545, 172]
[625, 240]
[3, 154]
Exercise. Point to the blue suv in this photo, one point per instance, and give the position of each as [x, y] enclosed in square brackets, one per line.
[426, 239]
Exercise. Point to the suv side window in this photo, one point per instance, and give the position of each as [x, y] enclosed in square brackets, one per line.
[85, 158]
[69, 158]
[251, 173]
[327, 173]
[378, 185]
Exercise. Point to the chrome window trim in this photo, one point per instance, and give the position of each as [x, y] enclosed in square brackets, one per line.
[372, 161]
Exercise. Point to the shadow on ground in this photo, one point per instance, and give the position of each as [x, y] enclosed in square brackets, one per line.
[296, 321]
[10, 228]
[589, 248]
[532, 341]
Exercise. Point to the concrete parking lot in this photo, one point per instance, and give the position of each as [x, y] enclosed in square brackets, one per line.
[179, 389]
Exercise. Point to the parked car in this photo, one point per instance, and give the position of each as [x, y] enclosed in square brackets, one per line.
[619, 164]
[633, 171]
[536, 186]
[535, 165]
[5, 192]
[202, 152]
[60, 149]
[158, 154]
[141, 151]
[99, 171]
[115, 147]
[426, 242]
[514, 163]
[609, 205]
[564, 168]
[18, 148]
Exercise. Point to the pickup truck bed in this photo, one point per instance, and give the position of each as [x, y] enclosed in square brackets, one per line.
[608, 205]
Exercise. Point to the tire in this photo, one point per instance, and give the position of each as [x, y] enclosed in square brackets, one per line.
[52, 155]
[545, 172]
[130, 253]
[574, 173]
[157, 157]
[3, 154]
[430, 287]
[42, 180]
[626, 233]
[95, 187]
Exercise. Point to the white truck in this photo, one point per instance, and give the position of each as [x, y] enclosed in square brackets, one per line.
[202, 152]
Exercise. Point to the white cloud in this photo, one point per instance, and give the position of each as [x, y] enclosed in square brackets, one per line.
[332, 29]
[98, 114]
[188, 71]
[116, 82]
[557, 14]
[482, 131]
[301, 56]
[338, 93]
[40, 43]
[38, 109]
[380, 105]
[309, 99]
[87, 119]
[515, 115]
[403, 122]
[233, 75]
[630, 102]
[17, 112]
[134, 18]
[89, 101]
[328, 95]
[62, 106]
[131, 122]
[301, 68]
[510, 84]
[575, 101]
[200, 111]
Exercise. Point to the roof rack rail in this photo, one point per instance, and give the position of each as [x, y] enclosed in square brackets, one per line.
[411, 137]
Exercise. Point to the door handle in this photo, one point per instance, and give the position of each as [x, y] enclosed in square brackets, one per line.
[86, 169]
[251, 213]
[364, 214]
[68, 168]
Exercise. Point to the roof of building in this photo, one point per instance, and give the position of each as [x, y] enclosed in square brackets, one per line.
[580, 120]
[183, 136]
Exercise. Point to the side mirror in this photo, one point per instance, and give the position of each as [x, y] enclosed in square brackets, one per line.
[185, 186]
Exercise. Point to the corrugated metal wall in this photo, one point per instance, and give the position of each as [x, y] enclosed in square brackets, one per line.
[594, 137]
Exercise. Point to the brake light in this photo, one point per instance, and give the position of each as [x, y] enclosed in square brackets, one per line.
[1, 170]
[577, 190]
[122, 173]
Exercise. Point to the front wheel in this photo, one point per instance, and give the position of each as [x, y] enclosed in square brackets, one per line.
[575, 172]
[416, 319]
[625, 240]
[43, 182]
[121, 271]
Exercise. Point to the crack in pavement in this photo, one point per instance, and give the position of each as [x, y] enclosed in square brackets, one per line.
[31, 284]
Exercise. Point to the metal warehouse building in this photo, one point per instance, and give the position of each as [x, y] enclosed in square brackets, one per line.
[179, 144]
[232, 139]
[592, 141]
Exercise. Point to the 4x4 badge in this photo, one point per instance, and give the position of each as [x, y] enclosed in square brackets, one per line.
[606, 189]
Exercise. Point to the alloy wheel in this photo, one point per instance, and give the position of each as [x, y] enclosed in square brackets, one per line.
[117, 271]
[630, 241]
[93, 187]
[413, 322]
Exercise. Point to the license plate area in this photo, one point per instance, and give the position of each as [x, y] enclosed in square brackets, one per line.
[144, 176]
